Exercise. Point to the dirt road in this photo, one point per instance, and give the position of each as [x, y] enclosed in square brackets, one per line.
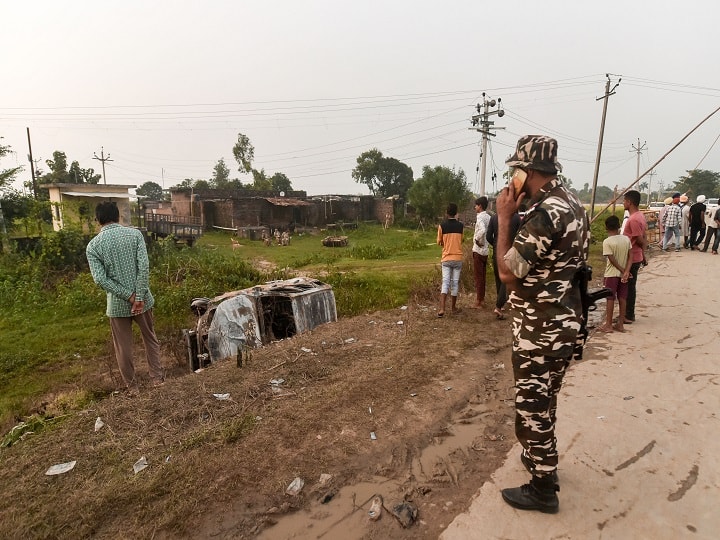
[638, 423]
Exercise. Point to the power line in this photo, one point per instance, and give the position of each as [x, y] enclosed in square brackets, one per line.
[706, 153]
[275, 102]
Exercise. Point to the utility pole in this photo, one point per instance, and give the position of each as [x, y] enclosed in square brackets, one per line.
[103, 159]
[650, 174]
[608, 93]
[32, 166]
[484, 125]
[638, 149]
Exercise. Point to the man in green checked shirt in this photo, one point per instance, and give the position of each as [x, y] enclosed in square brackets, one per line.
[119, 265]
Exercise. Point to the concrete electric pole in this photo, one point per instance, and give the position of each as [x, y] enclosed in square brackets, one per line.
[103, 159]
[650, 174]
[32, 166]
[608, 93]
[638, 150]
[481, 122]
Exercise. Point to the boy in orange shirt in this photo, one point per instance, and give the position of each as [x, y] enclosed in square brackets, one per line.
[449, 236]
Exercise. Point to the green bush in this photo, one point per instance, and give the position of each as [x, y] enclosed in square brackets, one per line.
[359, 293]
[64, 250]
[370, 252]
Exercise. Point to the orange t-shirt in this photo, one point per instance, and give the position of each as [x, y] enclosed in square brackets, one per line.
[450, 233]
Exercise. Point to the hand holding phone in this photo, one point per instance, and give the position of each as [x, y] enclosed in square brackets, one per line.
[518, 180]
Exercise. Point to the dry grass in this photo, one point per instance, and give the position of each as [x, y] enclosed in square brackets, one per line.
[205, 453]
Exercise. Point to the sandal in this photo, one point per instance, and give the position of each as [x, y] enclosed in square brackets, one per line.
[499, 314]
[441, 315]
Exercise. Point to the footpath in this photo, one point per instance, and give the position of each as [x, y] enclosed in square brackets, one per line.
[638, 425]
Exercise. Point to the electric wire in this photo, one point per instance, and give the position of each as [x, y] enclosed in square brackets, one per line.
[706, 153]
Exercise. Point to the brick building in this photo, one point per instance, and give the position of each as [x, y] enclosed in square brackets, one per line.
[233, 209]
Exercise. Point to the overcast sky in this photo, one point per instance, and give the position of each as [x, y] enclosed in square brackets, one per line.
[165, 86]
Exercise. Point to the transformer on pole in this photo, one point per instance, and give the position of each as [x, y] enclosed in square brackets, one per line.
[481, 122]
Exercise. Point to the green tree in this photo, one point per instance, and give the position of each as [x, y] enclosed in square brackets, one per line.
[235, 183]
[244, 153]
[14, 205]
[58, 169]
[603, 194]
[6, 176]
[201, 184]
[384, 176]
[187, 183]
[221, 175]
[280, 182]
[150, 190]
[260, 180]
[699, 182]
[438, 186]
[78, 175]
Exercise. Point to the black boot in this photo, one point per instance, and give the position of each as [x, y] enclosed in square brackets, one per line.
[539, 494]
[530, 467]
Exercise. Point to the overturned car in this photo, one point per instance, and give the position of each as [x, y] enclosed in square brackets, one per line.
[231, 324]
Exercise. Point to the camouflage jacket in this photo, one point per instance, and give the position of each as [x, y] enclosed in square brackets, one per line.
[551, 245]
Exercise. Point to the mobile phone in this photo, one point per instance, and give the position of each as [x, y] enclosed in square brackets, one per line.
[518, 180]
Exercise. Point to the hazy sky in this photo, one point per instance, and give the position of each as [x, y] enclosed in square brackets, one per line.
[166, 86]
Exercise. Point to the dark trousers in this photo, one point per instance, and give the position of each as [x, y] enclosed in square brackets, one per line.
[697, 232]
[632, 289]
[712, 232]
[502, 296]
[480, 272]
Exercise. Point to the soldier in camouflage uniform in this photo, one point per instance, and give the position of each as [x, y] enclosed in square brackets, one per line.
[540, 266]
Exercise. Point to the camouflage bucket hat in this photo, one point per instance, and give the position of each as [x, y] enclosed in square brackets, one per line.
[536, 152]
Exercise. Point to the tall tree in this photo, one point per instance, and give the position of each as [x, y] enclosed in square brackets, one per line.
[244, 153]
[699, 182]
[58, 169]
[280, 182]
[221, 175]
[438, 186]
[150, 190]
[384, 176]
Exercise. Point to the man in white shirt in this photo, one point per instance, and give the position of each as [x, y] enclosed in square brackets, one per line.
[712, 221]
[480, 250]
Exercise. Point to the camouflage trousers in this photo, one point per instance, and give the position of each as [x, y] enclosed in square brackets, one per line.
[537, 383]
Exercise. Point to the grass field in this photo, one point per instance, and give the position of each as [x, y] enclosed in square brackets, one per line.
[55, 334]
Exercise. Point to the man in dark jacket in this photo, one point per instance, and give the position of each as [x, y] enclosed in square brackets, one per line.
[697, 222]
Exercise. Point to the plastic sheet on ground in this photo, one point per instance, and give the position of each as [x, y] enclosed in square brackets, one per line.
[140, 464]
[61, 468]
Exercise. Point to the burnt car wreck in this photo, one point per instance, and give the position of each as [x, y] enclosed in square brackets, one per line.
[231, 324]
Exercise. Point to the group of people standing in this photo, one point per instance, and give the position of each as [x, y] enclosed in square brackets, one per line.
[624, 256]
[694, 222]
[484, 237]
